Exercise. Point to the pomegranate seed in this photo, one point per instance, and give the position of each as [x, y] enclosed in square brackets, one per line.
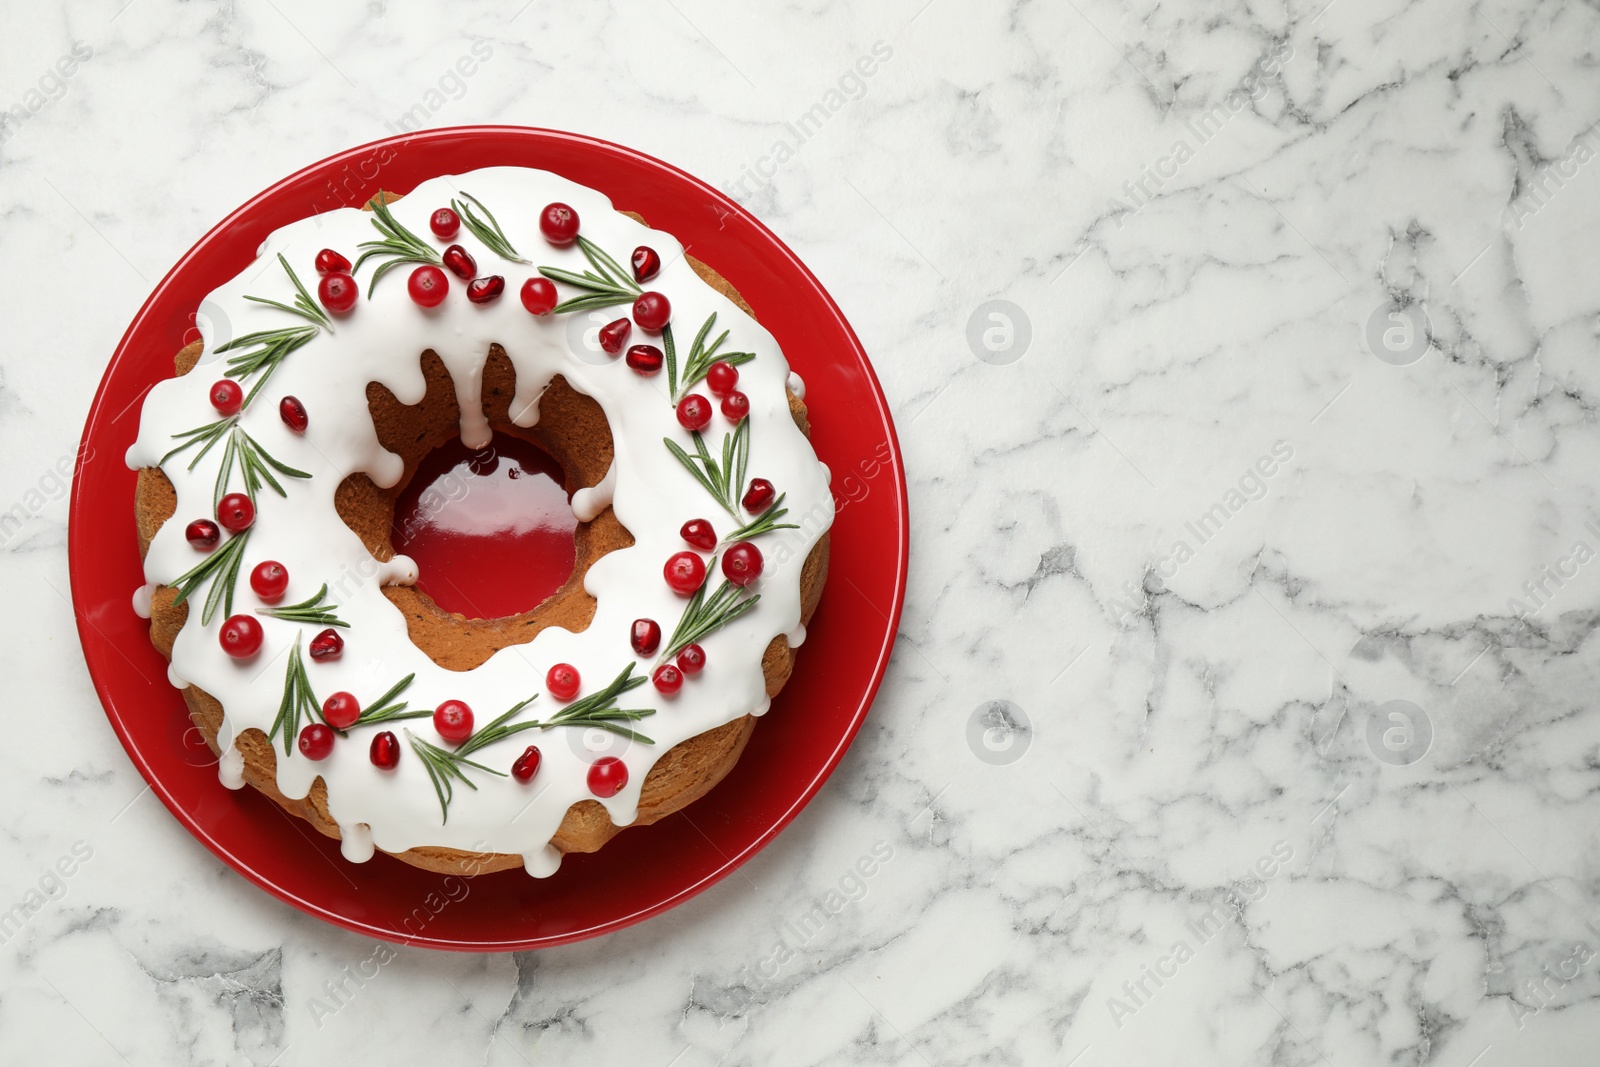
[645, 636]
[486, 290]
[735, 406]
[331, 262]
[722, 378]
[667, 679]
[699, 533]
[692, 660]
[341, 710]
[293, 414]
[607, 776]
[241, 636]
[202, 534]
[236, 512]
[527, 765]
[645, 359]
[694, 412]
[338, 292]
[685, 572]
[559, 224]
[562, 681]
[385, 751]
[444, 223]
[741, 564]
[759, 496]
[428, 286]
[539, 296]
[646, 264]
[652, 311]
[614, 334]
[316, 741]
[227, 397]
[453, 720]
[270, 580]
[460, 262]
[327, 645]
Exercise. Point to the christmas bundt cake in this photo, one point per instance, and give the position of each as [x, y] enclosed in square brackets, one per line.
[358, 342]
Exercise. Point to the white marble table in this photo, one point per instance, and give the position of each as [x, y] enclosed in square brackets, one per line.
[1288, 414]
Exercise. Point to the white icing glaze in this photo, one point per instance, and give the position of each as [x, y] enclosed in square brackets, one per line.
[797, 385]
[797, 636]
[141, 600]
[230, 768]
[355, 842]
[587, 504]
[652, 495]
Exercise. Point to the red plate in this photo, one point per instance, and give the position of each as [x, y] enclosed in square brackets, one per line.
[644, 871]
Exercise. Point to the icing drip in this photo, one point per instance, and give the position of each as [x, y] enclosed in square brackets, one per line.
[230, 768]
[381, 340]
[355, 842]
[797, 385]
[796, 637]
[141, 600]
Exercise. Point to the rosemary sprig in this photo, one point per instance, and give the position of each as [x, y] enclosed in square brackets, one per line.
[700, 358]
[766, 522]
[210, 434]
[256, 463]
[303, 305]
[703, 615]
[298, 700]
[386, 709]
[489, 232]
[398, 247]
[268, 348]
[600, 709]
[607, 285]
[263, 350]
[221, 568]
[723, 481]
[312, 610]
[446, 767]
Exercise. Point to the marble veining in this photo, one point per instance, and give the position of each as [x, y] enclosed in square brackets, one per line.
[1245, 364]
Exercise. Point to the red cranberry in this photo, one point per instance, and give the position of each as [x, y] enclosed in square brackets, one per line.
[559, 224]
[428, 286]
[735, 406]
[316, 741]
[699, 533]
[646, 263]
[607, 776]
[527, 765]
[741, 564]
[341, 710]
[453, 720]
[651, 311]
[667, 679]
[759, 496]
[460, 262]
[562, 680]
[241, 636]
[692, 660]
[722, 378]
[486, 290]
[539, 296]
[227, 397]
[236, 512]
[385, 751]
[645, 636]
[685, 572]
[293, 414]
[331, 262]
[202, 534]
[327, 645]
[646, 359]
[270, 580]
[338, 292]
[444, 223]
[694, 412]
[614, 334]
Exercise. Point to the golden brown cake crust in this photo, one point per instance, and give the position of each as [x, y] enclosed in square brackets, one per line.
[572, 430]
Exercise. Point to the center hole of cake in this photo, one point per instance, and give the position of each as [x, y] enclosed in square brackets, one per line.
[490, 529]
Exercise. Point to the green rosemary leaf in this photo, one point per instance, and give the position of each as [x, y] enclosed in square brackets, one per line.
[398, 245]
[766, 522]
[592, 302]
[702, 616]
[298, 699]
[607, 266]
[741, 451]
[221, 569]
[313, 610]
[684, 458]
[672, 361]
[489, 232]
